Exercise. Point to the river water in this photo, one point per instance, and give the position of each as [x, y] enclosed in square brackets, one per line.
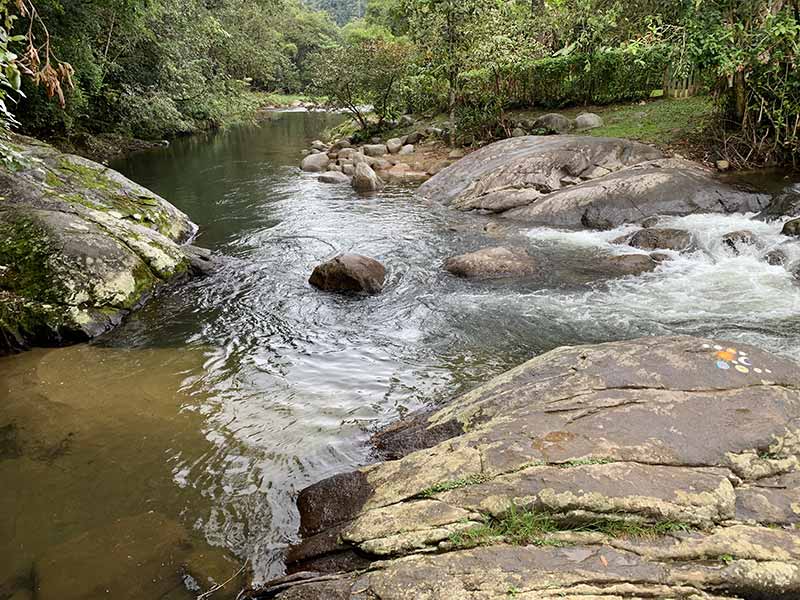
[188, 430]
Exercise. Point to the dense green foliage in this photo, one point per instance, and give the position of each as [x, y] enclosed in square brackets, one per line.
[158, 68]
[342, 11]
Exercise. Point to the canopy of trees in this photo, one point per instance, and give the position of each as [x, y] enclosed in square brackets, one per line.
[341, 10]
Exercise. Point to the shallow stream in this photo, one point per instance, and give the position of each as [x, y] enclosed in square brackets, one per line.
[193, 425]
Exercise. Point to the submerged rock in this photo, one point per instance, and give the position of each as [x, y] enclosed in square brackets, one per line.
[658, 239]
[492, 263]
[349, 273]
[80, 247]
[737, 240]
[652, 468]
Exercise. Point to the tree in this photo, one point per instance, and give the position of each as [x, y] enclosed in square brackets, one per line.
[363, 75]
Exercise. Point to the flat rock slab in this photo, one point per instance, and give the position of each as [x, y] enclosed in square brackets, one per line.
[490, 263]
[631, 195]
[664, 468]
[517, 171]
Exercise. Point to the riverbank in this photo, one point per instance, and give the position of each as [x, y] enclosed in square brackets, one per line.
[582, 473]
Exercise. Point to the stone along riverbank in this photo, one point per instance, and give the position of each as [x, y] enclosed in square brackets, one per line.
[655, 468]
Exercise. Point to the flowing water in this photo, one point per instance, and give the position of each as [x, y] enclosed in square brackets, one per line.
[127, 463]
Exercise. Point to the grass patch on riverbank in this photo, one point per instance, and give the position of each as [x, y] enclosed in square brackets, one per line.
[528, 527]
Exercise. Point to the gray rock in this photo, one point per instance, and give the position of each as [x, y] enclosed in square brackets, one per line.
[365, 179]
[553, 122]
[349, 169]
[457, 154]
[81, 246]
[414, 138]
[492, 263]
[376, 140]
[315, 163]
[518, 132]
[375, 150]
[346, 153]
[394, 145]
[736, 241]
[434, 131]
[406, 121]
[776, 257]
[791, 228]
[662, 187]
[585, 121]
[407, 149]
[579, 446]
[319, 145]
[517, 171]
[349, 273]
[659, 239]
[334, 177]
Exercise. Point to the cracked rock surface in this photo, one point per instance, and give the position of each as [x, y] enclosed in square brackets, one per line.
[583, 181]
[80, 246]
[663, 468]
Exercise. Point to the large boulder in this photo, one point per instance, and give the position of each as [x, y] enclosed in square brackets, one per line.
[315, 163]
[660, 187]
[652, 468]
[554, 122]
[518, 171]
[349, 273]
[394, 145]
[365, 179]
[585, 121]
[80, 247]
[492, 263]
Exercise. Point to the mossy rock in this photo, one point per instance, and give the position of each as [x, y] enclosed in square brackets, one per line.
[80, 246]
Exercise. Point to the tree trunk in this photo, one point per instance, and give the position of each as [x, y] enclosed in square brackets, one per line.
[739, 98]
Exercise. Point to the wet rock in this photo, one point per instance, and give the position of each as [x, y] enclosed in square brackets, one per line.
[492, 263]
[650, 222]
[349, 273]
[375, 150]
[553, 122]
[334, 177]
[80, 247]
[791, 228]
[201, 260]
[313, 163]
[518, 171]
[661, 187]
[785, 204]
[659, 239]
[656, 435]
[737, 240]
[394, 145]
[776, 257]
[624, 265]
[660, 257]
[365, 179]
[585, 121]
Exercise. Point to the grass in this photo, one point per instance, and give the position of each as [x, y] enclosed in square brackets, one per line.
[528, 527]
[446, 486]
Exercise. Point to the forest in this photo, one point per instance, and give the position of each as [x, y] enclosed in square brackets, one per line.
[160, 68]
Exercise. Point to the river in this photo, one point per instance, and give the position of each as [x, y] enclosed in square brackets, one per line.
[192, 426]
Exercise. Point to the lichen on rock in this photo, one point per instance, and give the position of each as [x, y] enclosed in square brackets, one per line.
[80, 246]
[639, 469]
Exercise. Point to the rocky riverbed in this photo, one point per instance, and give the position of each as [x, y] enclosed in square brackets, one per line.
[655, 468]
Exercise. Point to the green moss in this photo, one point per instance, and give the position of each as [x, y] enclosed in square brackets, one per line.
[52, 180]
[87, 176]
[26, 250]
[446, 486]
[582, 462]
[529, 527]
